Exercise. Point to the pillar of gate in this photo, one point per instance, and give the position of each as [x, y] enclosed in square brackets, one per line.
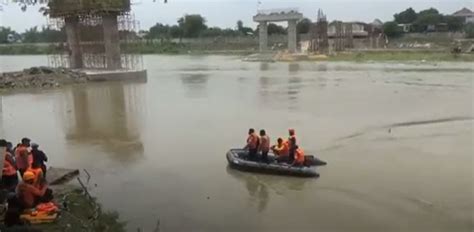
[292, 36]
[111, 41]
[263, 36]
[73, 41]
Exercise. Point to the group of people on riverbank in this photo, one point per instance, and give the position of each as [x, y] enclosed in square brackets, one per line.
[25, 162]
[286, 151]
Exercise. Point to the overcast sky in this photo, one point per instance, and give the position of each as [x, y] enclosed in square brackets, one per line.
[225, 13]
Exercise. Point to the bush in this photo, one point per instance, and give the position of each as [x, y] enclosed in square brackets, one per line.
[391, 29]
[469, 29]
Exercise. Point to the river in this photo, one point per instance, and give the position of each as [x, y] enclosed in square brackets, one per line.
[398, 139]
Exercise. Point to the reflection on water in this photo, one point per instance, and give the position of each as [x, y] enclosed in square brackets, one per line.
[105, 115]
[257, 190]
[323, 67]
[195, 84]
[264, 66]
[293, 67]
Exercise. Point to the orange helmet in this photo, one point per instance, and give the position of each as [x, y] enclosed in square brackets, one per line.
[28, 176]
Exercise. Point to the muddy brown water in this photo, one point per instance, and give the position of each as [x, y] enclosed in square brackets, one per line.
[398, 139]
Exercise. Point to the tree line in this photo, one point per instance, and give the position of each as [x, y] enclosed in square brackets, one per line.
[422, 21]
[188, 26]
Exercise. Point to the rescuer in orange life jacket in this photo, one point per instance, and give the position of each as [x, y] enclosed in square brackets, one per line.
[299, 157]
[23, 155]
[291, 145]
[253, 142]
[9, 176]
[31, 195]
[281, 150]
[264, 146]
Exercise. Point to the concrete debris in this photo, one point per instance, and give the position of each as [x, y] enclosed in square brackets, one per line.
[41, 77]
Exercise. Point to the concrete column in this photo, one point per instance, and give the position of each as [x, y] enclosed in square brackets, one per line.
[73, 41]
[111, 41]
[263, 36]
[292, 36]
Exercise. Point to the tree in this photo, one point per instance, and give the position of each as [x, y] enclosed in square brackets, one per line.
[427, 17]
[192, 25]
[469, 29]
[176, 31]
[211, 32]
[275, 29]
[243, 30]
[407, 16]
[159, 31]
[5, 32]
[454, 23]
[240, 25]
[31, 35]
[391, 29]
[303, 26]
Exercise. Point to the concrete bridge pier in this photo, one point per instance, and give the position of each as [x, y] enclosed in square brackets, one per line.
[278, 15]
[292, 36]
[111, 41]
[263, 36]
[73, 41]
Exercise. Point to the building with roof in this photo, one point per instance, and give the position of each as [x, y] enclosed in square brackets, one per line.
[466, 14]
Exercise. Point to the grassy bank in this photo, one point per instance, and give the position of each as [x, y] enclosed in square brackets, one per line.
[233, 49]
[81, 214]
[403, 55]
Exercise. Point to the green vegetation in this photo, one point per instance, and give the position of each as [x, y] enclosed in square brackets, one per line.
[426, 20]
[26, 49]
[83, 214]
[401, 56]
[392, 30]
[469, 29]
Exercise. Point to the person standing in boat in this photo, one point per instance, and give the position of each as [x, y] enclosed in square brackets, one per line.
[264, 147]
[253, 142]
[292, 145]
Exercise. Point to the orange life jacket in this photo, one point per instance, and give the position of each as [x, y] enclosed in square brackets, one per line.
[253, 141]
[299, 156]
[264, 143]
[283, 149]
[8, 168]
[38, 175]
[24, 159]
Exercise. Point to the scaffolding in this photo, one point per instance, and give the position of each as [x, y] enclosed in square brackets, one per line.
[92, 37]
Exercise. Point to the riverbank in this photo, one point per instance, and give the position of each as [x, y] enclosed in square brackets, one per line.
[170, 48]
[40, 77]
[81, 213]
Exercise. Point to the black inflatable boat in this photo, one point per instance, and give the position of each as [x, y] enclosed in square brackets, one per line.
[238, 159]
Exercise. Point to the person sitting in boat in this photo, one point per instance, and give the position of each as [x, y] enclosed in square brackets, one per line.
[291, 145]
[264, 146]
[299, 157]
[253, 142]
[39, 157]
[281, 150]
